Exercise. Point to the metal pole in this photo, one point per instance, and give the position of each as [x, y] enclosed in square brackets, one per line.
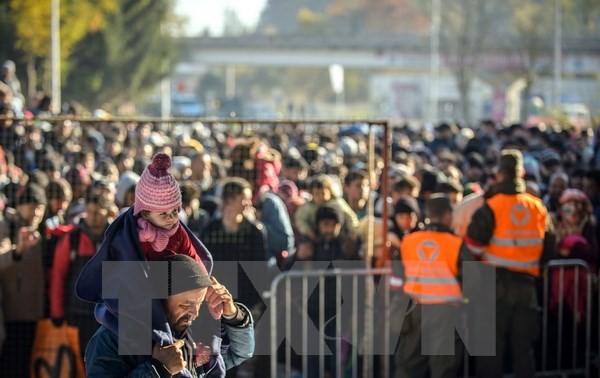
[369, 285]
[55, 55]
[274, 345]
[435, 61]
[385, 189]
[557, 52]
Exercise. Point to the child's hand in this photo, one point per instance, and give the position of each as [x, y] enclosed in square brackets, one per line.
[202, 353]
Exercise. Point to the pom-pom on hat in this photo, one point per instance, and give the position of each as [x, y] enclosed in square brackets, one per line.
[157, 189]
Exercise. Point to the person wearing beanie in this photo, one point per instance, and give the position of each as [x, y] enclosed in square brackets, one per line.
[575, 218]
[149, 231]
[513, 232]
[431, 269]
[405, 216]
[126, 184]
[157, 206]
[290, 195]
[188, 287]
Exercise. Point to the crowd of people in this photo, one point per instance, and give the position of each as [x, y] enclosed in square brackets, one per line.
[279, 194]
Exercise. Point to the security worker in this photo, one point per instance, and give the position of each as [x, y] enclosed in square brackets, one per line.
[513, 232]
[432, 261]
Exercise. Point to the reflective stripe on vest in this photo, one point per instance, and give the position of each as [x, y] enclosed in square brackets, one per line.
[526, 242]
[518, 238]
[423, 298]
[495, 260]
[431, 280]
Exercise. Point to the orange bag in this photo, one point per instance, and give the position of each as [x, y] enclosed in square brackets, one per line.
[56, 352]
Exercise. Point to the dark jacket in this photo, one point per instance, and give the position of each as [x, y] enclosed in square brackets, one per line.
[236, 345]
[275, 218]
[22, 280]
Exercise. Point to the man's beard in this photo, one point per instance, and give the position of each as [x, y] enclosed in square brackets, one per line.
[181, 324]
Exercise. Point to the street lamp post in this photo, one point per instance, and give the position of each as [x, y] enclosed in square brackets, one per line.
[55, 55]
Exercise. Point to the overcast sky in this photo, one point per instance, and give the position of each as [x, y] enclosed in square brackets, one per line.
[209, 13]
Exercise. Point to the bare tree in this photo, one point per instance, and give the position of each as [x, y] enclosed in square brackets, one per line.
[466, 29]
[533, 26]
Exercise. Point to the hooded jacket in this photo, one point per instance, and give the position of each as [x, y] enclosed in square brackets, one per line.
[235, 345]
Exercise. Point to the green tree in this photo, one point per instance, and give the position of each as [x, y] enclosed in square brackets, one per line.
[31, 20]
[7, 31]
[126, 59]
[585, 15]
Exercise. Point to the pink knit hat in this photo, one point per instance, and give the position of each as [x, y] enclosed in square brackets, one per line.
[157, 189]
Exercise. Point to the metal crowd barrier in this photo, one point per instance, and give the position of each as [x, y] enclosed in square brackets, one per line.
[564, 339]
[281, 288]
[575, 268]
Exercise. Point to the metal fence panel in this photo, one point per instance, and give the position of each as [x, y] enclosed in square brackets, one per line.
[346, 325]
[561, 314]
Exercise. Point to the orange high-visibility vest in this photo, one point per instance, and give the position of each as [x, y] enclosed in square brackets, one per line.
[518, 239]
[430, 260]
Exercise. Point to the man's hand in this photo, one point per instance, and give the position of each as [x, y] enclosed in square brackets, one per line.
[218, 294]
[170, 356]
[27, 238]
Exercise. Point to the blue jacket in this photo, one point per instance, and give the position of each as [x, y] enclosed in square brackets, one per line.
[121, 243]
[102, 358]
[275, 217]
